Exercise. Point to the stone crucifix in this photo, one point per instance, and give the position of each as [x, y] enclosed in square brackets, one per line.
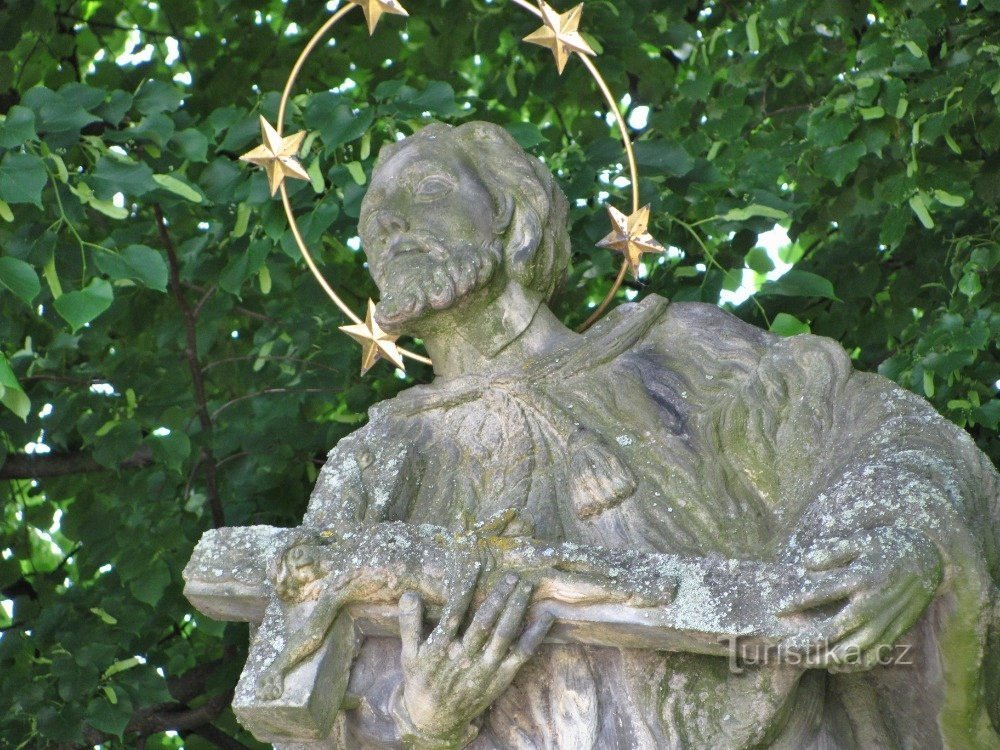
[672, 531]
[311, 597]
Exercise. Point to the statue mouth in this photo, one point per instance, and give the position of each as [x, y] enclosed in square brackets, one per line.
[404, 245]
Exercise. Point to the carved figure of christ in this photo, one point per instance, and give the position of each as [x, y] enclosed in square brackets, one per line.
[310, 597]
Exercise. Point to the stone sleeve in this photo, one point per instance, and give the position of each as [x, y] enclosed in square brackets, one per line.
[339, 499]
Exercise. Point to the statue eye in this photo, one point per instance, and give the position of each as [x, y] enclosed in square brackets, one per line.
[433, 187]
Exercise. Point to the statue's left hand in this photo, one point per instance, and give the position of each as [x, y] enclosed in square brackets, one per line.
[449, 679]
[887, 576]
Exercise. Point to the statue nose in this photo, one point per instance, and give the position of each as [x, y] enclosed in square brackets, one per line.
[391, 222]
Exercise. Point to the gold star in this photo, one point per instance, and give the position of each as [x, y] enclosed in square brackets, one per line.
[560, 34]
[630, 237]
[374, 9]
[277, 156]
[376, 343]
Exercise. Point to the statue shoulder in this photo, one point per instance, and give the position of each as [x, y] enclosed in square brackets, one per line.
[685, 322]
[700, 340]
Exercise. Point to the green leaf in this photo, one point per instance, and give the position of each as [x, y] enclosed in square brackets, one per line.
[918, 203]
[438, 99]
[753, 38]
[11, 394]
[155, 97]
[20, 278]
[139, 263]
[914, 48]
[112, 176]
[838, 163]
[758, 260]
[5, 213]
[788, 325]
[172, 449]
[105, 717]
[357, 172]
[970, 285]
[826, 130]
[988, 414]
[948, 199]
[315, 172]
[122, 665]
[897, 219]
[17, 127]
[57, 112]
[105, 618]
[192, 144]
[52, 277]
[22, 178]
[243, 266]
[671, 158]
[81, 307]
[755, 209]
[109, 209]
[149, 586]
[177, 186]
[335, 120]
[243, 219]
[526, 134]
[797, 283]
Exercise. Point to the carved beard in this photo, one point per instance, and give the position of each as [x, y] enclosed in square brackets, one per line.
[432, 276]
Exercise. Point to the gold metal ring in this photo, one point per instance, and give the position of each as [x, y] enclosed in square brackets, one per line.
[293, 224]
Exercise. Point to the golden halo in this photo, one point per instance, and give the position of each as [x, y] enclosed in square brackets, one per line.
[558, 33]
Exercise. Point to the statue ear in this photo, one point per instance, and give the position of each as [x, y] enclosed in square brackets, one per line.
[524, 234]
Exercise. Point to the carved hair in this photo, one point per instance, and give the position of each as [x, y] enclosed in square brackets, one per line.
[531, 210]
[301, 554]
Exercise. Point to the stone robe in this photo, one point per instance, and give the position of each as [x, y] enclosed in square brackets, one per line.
[678, 428]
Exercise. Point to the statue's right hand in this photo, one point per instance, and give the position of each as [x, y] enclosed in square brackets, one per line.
[270, 685]
[449, 679]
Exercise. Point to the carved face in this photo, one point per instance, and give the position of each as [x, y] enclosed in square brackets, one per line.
[297, 568]
[429, 229]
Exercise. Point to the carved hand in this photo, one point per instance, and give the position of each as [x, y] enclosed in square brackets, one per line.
[887, 575]
[448, 680]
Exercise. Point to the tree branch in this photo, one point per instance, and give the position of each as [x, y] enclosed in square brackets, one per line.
[163, 717]
[49, 465]
[194, 366]
[114, 26]
[237, 308]
[220, 739]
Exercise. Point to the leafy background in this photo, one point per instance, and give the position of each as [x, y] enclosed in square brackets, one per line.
[167, 363]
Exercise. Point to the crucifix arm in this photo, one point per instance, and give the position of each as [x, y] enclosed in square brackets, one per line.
[303, 642]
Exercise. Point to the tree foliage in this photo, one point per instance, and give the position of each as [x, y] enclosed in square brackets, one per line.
[167, 363]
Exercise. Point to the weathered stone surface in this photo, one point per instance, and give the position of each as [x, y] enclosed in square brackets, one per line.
[673, 531]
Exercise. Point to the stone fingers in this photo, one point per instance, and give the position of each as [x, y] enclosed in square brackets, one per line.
[863, 610]
[525, 647]
[454, 613]
[509, 623]
[871, 622]
[827, 591]
[833, 554]
[872, 636]
[411, 625]
[486, 616]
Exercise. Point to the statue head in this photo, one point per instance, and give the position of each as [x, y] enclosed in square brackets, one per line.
[455, 212]
[298, 568]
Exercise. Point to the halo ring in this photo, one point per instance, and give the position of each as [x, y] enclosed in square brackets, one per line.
[293, 223]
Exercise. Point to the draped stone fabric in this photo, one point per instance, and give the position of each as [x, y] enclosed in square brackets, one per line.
[678, 428]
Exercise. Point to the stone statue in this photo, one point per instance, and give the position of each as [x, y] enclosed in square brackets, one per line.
[672, 531]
